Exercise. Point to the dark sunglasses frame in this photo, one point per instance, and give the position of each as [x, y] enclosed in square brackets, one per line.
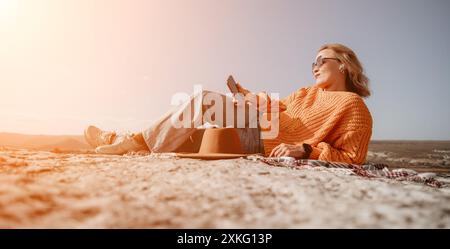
[320, 61]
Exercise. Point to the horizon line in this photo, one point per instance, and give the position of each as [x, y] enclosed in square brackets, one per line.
[372, 140]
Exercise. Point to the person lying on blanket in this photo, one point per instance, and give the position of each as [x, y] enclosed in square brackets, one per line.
[326, 121]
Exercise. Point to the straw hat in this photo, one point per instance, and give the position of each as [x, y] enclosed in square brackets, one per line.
[218, 143]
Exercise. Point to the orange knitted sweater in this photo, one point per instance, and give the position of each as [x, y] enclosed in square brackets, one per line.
[337, 124]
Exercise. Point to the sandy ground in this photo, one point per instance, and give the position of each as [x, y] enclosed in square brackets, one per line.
[47, 190]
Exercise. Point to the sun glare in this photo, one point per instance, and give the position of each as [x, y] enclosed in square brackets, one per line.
[7, 7]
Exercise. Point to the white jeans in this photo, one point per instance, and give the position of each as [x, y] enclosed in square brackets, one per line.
[163, 136]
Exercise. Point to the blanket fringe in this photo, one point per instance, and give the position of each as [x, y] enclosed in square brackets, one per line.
[367, 170]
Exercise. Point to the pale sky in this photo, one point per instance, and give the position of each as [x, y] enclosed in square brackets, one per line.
[65, 64]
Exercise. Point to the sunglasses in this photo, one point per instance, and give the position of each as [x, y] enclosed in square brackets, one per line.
[321, 60]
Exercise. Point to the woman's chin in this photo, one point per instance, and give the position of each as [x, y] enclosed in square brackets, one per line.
[322, 84]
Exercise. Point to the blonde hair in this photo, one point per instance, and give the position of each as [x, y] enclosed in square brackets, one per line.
[356, 81]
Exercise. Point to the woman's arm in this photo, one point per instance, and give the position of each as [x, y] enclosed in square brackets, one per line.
[353, 148]
[262, 98]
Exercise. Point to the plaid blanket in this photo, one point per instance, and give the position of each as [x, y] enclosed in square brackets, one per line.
[367, 170]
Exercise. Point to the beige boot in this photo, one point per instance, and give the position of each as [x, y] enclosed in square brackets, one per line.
[96, 137]
[121, 145]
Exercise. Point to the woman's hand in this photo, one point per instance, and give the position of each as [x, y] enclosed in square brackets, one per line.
[262, 98]
[244, 93]
[241, 89]
[291, 150]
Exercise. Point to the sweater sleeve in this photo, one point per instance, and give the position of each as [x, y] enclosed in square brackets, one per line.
[283, 103]
[352, 148]
[291, 97]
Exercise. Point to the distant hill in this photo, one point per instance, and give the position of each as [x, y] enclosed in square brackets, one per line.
[66, 144]
[44, 142]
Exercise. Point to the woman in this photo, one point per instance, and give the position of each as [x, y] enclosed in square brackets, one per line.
[327, 121]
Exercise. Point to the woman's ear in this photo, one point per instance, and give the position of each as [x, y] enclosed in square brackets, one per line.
[342, 68]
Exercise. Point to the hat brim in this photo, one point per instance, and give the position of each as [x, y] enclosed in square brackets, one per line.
[211, 156]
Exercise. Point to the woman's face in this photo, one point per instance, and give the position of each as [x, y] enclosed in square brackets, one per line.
[326, 70]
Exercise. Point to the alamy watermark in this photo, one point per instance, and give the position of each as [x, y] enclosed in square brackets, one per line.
[227, 110]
